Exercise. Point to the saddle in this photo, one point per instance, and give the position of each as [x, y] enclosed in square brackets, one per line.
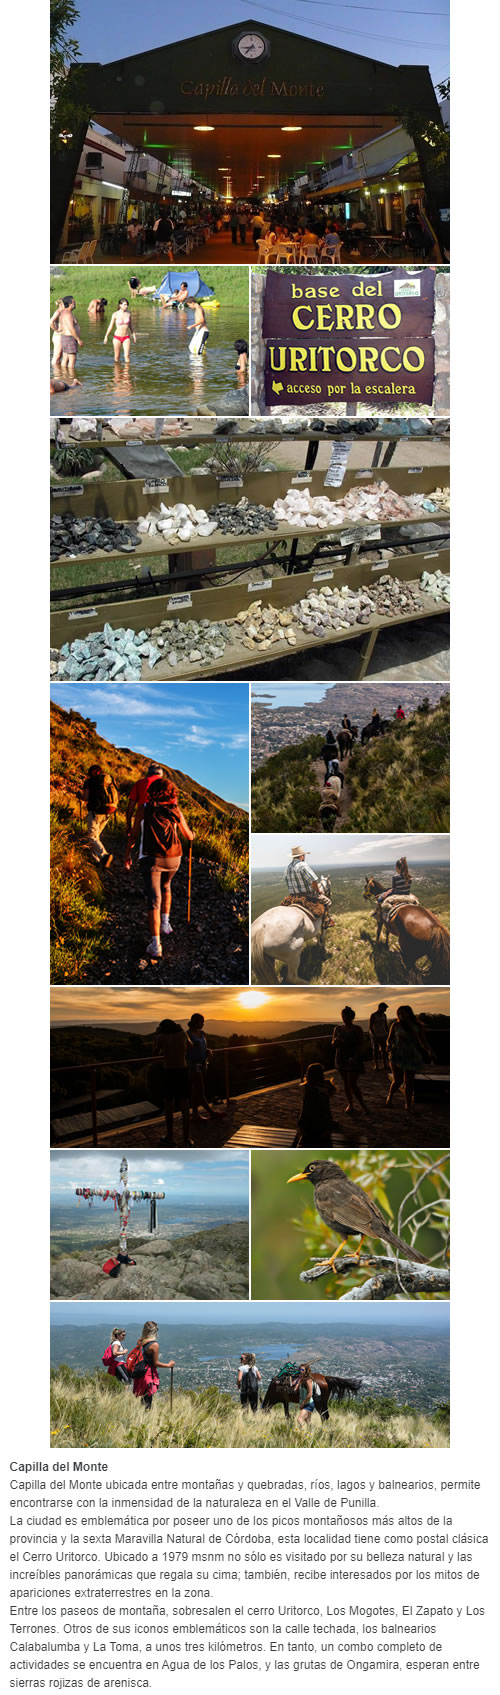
[390, 906]
[314, 908]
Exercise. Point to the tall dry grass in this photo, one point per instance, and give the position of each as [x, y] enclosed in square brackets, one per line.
[96, 1411]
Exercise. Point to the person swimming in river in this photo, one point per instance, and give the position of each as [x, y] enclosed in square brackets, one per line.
[241, 367]
[199, 340]
[67, 337]
[121, 326]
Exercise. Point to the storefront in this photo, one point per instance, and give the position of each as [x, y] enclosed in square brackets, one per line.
[245, 105]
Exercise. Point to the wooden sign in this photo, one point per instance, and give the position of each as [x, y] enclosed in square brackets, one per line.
[306, 304]
[349, 368]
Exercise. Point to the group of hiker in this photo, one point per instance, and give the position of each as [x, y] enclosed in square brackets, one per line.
[139, 1370]
[155, 826]
[401, 1046]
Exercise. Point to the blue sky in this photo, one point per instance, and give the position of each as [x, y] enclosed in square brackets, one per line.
[196, 1175]
[433, 1317]
[355, 852]
[415, 33]
[201, 728]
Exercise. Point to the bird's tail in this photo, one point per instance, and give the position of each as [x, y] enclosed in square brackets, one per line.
[404, 1248]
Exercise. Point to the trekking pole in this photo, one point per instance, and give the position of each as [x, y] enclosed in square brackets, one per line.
[171, 1386]
[189, 881]
[80, 806]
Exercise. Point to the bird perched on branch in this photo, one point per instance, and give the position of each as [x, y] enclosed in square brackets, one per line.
[346, 1209]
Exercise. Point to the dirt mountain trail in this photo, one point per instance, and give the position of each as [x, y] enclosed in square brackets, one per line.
[211, 949]
[345, 803]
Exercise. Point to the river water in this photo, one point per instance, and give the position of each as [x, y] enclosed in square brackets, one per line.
[162, 376]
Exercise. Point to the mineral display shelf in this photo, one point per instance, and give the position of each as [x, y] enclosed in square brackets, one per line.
[125, 502]
[200, 431]
[223, 603]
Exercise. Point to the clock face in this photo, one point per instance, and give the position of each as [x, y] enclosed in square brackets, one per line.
[251, 47]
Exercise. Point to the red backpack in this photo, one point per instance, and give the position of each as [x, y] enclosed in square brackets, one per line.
[135, 1362]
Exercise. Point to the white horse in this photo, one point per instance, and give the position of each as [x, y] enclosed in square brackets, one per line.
[280, 934]
[334, 787]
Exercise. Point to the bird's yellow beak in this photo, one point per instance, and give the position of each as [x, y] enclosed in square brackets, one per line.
[300, 1178]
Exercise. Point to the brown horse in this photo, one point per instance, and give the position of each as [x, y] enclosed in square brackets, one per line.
[284, 1390]
[419, 933]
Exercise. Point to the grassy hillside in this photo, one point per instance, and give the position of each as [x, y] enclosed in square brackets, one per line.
[79, 908]
[400, 781]
[285, 793]
[231, 287]
[353, 955]
[95, 1411]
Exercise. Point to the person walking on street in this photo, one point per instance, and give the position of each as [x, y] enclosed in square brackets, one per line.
[101, 800]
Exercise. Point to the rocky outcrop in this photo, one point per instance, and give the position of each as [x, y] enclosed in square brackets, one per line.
[211, 1265]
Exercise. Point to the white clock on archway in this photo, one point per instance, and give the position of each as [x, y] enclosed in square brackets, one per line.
[250, 46]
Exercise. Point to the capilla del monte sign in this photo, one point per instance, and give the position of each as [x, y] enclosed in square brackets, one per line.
[345, 338]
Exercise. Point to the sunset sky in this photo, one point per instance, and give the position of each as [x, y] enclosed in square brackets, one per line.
[227, 1010]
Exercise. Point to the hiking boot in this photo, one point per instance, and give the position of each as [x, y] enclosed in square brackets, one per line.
[153, 949]
[165, 926]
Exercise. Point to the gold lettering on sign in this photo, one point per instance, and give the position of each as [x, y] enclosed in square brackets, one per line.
[226, 89]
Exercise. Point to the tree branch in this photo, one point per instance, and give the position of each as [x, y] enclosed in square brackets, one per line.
[390, 1277]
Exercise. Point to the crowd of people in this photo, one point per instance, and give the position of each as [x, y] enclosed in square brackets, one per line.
[163, 229]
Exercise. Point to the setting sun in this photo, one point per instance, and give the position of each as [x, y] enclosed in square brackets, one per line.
[252, 997]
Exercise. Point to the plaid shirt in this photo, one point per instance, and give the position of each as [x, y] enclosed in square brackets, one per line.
[299, 877]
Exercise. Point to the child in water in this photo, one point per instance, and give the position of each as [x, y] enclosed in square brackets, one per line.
[121, 325]
[201, 333]
[241, 367]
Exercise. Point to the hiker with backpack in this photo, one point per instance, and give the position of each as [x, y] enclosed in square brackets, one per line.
[143, 1363]
[101, 799]
[114, 1356]
[305, 1385]
[158, 827]
[138, 793]
[249, 1378]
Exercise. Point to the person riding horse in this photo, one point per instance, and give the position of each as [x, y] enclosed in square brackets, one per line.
[304, 888]
[329, 750]
[401, 883]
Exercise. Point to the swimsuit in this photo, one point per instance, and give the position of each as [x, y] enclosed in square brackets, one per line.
[69, 344]
[118, 337]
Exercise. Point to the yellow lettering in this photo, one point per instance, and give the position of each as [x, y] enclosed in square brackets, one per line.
[277, 358]
[368, 358]
[296, 292]
[385, 361]
[344, 317]
[324, 316]
[415, 365]
[364, 317]
[389, 323]
[346, 359]
[298, 358]
[297, 320]
[186, 87]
